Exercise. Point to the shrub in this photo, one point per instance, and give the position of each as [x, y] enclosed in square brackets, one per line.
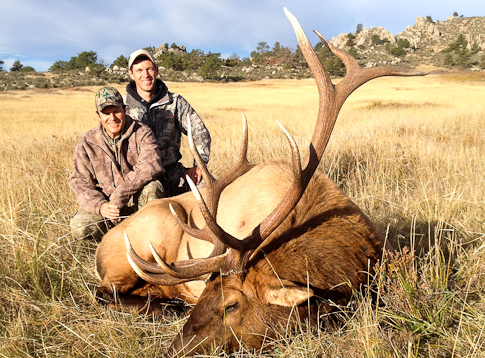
[448, 60]
[350, 40]
[121, 61]
[354, 53]
[397, 51]
[28, 69]
[375, 40]
[17, 66]
[404, 43]
[211, 66]
[475, 49]
[42, 83]
[172, 61]
[463, 58]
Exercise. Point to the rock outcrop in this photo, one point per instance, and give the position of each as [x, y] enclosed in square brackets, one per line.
[426, 38]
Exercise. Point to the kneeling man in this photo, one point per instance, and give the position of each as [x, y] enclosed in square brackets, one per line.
[116, 165]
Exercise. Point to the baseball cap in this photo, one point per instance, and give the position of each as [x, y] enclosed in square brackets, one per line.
[139, 53]
[107, 96]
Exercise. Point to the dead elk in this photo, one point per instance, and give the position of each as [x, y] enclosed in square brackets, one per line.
[313, 249]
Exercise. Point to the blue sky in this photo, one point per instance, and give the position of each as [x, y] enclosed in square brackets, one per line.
[40, 32]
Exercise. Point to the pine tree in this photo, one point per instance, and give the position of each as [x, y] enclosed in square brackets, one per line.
[17, 66]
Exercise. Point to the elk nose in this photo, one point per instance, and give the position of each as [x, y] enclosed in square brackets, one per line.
[181, 345]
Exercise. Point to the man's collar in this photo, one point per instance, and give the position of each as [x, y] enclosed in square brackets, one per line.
[111, 141]
[161, 91]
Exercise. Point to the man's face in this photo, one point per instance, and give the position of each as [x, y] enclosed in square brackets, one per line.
[113, 120]
[144, 74]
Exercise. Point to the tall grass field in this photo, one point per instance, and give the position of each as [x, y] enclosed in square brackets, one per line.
[409, 151]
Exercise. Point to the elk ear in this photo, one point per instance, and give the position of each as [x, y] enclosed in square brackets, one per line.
[287, 294]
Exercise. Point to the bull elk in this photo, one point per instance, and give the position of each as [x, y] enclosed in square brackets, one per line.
[268, 241]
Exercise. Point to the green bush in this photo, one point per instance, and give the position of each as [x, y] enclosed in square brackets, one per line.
[397, 51]
[354, 53]
[404, 43]
[448, 60]
[121, 61]
[28, 69]
[42, 83]
[171, 60]
[211, 66]
[17, 66]
[350, 40]
[376, 40]
[331, 62]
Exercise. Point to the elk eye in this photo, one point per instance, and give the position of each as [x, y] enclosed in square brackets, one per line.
[232, 307]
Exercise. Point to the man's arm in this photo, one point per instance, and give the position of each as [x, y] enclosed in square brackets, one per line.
[83, 182]
[147, 168]
[200, 133]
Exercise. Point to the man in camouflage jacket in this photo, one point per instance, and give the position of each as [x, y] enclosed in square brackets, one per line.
[149, 101]
[115, 168]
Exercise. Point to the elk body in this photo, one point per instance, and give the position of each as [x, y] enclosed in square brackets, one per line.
[259, 261]
[241, 210]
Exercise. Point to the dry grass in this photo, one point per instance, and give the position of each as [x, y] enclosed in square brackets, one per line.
[409, 151]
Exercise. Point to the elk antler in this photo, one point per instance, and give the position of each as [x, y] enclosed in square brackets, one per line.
[331, 99]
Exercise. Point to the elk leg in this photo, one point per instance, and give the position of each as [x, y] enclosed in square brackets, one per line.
[140, 304]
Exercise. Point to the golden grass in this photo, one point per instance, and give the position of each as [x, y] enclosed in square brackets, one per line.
[409, 151]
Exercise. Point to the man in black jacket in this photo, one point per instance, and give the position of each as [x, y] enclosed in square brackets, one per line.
[149, 101]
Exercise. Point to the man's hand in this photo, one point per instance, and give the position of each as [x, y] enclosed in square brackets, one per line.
[110, 211]
[195, 174]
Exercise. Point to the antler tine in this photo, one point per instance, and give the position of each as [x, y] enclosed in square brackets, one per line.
[272, 221]
[145, 265]
[202, 234]
[164, 274]
[332, 97]
[356, 75]
[215, 187]
[287, 204]
[194, 267]
[327, 114]
[161, 279]
[218, 233]
[212, 232]
[241, 164]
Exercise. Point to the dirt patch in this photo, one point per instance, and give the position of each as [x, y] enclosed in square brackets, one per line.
[398, 105]
[76, 89]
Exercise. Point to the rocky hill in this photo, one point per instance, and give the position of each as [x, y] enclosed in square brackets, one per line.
[427, 39]
[456, 43]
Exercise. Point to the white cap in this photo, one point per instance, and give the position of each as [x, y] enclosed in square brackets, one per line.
[139, 53]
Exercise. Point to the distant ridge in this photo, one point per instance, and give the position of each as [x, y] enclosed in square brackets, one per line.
[427, 39]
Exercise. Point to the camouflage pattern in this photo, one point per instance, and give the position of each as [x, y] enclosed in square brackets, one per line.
[167, 118]
[153, 190]
[107, 96]
[174, 181]
[88, 225]
[102, 172]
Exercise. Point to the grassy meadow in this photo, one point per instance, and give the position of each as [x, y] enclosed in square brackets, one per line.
[408, 151]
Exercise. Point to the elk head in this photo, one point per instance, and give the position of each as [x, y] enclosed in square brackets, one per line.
[283, 266]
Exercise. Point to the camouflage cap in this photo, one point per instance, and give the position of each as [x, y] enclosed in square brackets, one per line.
[139, 53]
[107, 96]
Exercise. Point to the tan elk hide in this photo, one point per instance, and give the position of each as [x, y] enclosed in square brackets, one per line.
[253, 255]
